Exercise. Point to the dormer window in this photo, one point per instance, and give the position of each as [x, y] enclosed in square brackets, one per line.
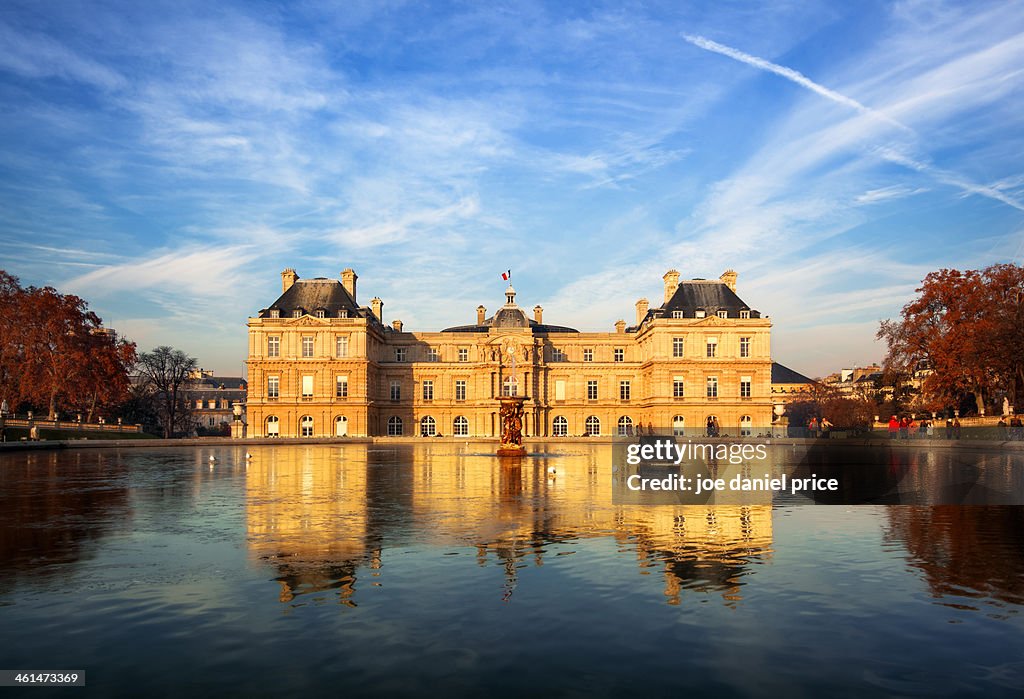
[297, 313]
[744, 314]
[343, 313]
[678, 314]
[320, 313]
[723, 314]
[699, 314]
[274, 313]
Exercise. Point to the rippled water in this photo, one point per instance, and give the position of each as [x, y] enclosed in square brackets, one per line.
[434, 569]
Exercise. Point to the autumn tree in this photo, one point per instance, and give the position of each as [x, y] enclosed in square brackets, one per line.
[963, 332]
[165, 373]
[55, 353]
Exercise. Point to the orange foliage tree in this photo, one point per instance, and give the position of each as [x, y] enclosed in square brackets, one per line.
[55, 354]
[964, 333]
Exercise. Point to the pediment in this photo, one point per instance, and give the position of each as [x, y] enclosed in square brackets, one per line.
[306, 321]
[710, 321]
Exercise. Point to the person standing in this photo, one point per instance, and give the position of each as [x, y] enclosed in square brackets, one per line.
[894, 427]
[956, 428]
[949, 428]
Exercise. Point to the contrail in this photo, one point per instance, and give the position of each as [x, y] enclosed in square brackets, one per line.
[792, 76]
[889, 154]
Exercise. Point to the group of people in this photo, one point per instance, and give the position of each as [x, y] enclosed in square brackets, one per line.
[1014, 430]
[819, 427]
[907, 427]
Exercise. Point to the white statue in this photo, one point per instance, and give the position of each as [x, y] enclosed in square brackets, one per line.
[1006, 407]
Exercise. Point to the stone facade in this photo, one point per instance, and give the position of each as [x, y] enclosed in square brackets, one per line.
[321, 365]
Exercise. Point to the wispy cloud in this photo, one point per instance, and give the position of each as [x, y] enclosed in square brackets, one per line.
[791, 75]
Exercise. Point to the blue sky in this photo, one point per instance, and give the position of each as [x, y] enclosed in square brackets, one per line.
[167, 160]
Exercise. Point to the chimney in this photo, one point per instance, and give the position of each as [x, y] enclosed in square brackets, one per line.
[481, 314]
[538, 314]
[397, 325]
[288, 277]
[641, 310]
[729, 277]
[378, 307]
[348, 280]
[671, 283]
[620, 326]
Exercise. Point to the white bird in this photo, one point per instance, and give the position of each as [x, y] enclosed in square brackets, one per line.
[552, 472]
[212, 458]
[248, 455]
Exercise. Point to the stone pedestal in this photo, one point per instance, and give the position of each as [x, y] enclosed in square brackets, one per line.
[511, 426]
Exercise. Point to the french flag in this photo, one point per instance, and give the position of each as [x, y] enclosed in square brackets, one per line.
[506, 275]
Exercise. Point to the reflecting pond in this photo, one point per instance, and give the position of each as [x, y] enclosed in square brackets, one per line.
[438, 569]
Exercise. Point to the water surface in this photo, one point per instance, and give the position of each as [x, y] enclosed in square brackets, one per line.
[437, 569]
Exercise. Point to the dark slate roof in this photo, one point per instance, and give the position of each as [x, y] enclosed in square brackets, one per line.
[708, 296]
[694, 295]
[510, 318]
[783, 374]
[311, 295]
[231, 383]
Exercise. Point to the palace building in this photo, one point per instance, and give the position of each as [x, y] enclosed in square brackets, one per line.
[322, 365]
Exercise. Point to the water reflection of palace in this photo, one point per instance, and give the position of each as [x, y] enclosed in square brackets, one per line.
[320, 514]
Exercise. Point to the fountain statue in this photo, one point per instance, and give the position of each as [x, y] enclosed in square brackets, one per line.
[511, 414]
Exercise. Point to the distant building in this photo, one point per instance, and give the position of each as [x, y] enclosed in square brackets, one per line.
[321, 364]
[212, 399]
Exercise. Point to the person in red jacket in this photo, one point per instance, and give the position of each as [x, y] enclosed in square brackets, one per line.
[894, 427]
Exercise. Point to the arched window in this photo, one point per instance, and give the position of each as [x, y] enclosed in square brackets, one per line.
[340, 426]
[679, 426]
[625, 426]
[460, 428]
[428, 428]
[746, 426]
[560, 427]
[306, 426]
[593, 425]
[273, 426]
[394, 426]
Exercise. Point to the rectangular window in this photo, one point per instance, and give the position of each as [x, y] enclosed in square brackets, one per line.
[319, 313]
[199, 405]
[699, 314]
[212, 404]
[623, 390]
[678, 387]
[557, 355]
[211, 421]
[712, 347]
[677, 314]
[723, 314]
[396, 390]
[591, 390]
[744, 314]
[712, 387]
[432, 355]
[273, 346]
[297, 313]
[400, 354]
[340, 346]
[273, 386]
[588, 355]
[677, 347]
[274, 313]
[307, 346]
[341, 387]
[307, 386]
[463, 354]
[744, 346]
[428, 390]
[559, 389]
[460, 390]
[620, 354]
[745, 387]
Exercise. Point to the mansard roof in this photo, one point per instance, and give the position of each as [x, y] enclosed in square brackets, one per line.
[709, 296]
[310, 295]
[783, 374]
